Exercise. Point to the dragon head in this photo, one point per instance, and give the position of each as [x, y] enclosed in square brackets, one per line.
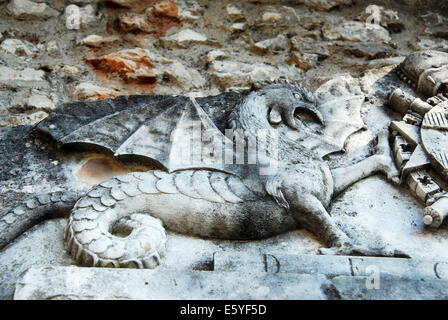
[289, 102]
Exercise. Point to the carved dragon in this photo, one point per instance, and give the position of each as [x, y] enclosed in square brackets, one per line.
[120, 222]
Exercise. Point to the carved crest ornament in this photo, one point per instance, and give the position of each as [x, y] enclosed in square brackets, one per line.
[239, 166]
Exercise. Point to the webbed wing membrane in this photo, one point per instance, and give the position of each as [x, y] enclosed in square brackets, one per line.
[339, 102]
[175, 132]
[72, 116]
[198, 143]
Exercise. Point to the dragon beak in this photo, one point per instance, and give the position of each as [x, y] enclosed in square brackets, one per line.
[310, 108]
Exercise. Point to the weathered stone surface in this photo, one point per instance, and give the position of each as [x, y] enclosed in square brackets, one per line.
[282, 263]
[18, 47]
[141, 66]
[212, 55]
[98, 41]
[129, 64]
[27, 77]
[238, 26]
[40, 101]
[424, 3]
[234, 12]
[276, 16]
[435, 25]
[43, 245]
[132, 22]
[126, 3]
[178, 74]
[368, 50]
[92, 283]
[325, 5]
[66, 70]
[53, 48]
[189, 10]
[90, 91]
[330, 265]
[24, 119]
[357, 31]
[425, 43]
[187, 38]
[389, 288]
[272, 45]
[165, 8]
[304, 61]
[72, 283]
[233, 74]
[302, 44]
[236, 30]
[372, 219]
[151, 17]
[77, 17]
[25, 9]
[379, 63]
[230, 261]
[389, 19]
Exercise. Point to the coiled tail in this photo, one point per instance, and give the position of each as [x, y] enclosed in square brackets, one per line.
[107, 229]
[32, 211]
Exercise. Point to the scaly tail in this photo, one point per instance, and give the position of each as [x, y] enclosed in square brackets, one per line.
[102, 215]
[33, 211]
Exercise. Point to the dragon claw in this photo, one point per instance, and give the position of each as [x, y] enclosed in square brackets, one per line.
[383, 143]
[386, 162]
[387, 166]
[349, 249]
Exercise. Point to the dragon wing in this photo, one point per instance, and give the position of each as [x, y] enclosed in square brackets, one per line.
[339, 102]
[169, 132]
[172, 133]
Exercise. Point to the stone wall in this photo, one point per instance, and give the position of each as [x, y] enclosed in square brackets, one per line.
[54, 51]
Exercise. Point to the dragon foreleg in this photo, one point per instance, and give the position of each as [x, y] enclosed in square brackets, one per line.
[381, 162]
[316, 219]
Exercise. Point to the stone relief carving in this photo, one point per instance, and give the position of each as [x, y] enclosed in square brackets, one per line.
[202, 185]
[120, 222]
[421, 138]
